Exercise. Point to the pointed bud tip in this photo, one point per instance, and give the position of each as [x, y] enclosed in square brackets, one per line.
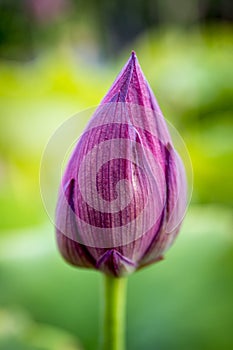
[133, 55]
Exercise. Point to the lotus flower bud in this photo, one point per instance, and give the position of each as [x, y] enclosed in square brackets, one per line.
[123, 193]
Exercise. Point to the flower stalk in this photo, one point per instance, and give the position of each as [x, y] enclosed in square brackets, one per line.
[114, 313]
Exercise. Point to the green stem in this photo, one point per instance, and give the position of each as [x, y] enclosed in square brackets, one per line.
[114, 313]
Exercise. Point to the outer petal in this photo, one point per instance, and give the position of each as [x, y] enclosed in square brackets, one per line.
[174, 210]
[73, 252]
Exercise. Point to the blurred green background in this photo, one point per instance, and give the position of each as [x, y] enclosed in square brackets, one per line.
[58, 57]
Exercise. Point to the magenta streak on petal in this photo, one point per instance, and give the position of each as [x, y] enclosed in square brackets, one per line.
[167, 174]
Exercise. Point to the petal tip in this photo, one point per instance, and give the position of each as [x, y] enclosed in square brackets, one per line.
[133, 54]
[113, 263]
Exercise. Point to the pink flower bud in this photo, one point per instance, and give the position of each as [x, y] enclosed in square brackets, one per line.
[123, 194]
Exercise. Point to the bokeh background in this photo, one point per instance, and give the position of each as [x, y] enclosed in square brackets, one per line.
[58, 57]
